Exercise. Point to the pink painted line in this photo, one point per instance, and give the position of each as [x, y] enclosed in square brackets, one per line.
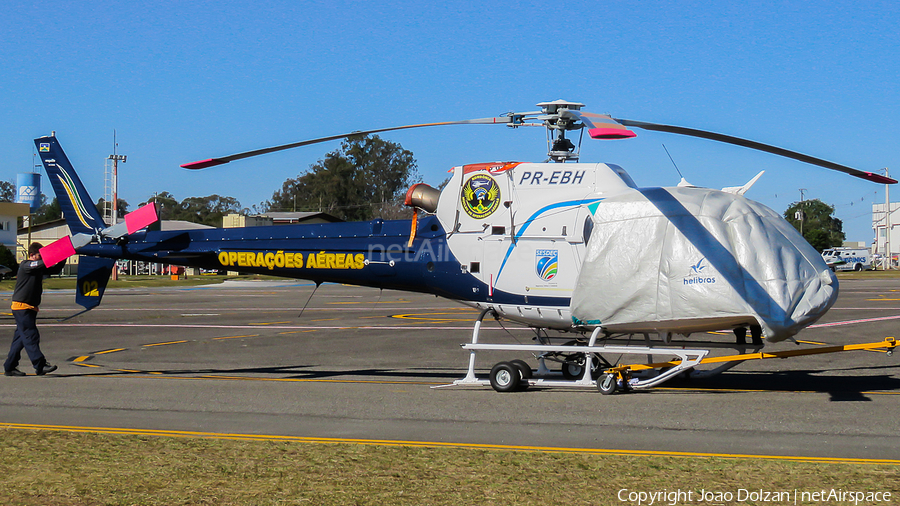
[258, 327]
[851, 322]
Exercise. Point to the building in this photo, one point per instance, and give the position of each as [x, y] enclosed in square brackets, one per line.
[45, 233]
[881, 222]
[9, 218]
[276, 218]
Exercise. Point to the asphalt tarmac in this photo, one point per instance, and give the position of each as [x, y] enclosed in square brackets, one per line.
[360, 364]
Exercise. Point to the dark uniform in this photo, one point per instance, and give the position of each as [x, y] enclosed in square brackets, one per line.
[25, 302]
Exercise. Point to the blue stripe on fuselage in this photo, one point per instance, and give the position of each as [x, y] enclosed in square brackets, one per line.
[533, 217]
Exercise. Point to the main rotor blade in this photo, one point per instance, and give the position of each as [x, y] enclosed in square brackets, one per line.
[869, 176]
[202, 164]
[600, 126]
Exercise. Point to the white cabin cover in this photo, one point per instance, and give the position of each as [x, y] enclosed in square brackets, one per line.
[670, 259]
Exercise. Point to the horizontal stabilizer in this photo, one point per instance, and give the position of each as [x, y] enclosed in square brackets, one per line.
[133, 222]
[740, 190]
[57, 251]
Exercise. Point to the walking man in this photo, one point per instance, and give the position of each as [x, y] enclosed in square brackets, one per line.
[25, 301]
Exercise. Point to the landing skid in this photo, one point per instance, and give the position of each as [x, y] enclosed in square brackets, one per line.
[516, 375]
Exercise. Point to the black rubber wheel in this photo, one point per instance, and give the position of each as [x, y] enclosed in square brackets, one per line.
[573, 367]
[858, 267]
[524, 368]
[607, 384]
[505, 377]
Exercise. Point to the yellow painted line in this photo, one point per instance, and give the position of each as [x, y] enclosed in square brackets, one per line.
[436, 444]
[108, 351]
[82, 358]
[126, 370]
[235, 337]
[325, 320]
[88, 365]
[270, 323]
[163, 344]
[296, 331]
[812, 342]
[882, 300]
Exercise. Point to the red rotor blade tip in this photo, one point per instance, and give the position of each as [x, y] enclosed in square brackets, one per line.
[878, 178]
[611, 133]
[202, 164]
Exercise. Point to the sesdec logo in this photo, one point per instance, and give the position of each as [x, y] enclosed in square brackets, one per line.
[546, 263]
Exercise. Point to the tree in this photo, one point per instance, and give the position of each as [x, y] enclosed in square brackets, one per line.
[8, 258]
[167, 207]
[7, 192]
[206, 210]
[48, 211]
[819, 227]
[121, 207]
[366, 177]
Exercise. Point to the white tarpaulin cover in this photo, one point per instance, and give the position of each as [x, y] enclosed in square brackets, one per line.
[692, 259]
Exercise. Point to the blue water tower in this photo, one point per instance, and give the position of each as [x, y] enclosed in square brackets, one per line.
[28, 190]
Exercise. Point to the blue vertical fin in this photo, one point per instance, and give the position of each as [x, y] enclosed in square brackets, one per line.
[93, 276]
[77, 207]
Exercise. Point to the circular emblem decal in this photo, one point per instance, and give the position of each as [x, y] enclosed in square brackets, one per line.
[480, 196]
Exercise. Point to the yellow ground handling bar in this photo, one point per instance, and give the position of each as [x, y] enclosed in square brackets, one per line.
[887, 345]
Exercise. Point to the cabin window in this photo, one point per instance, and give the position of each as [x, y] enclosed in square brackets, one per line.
[498, 230]
[588, 229]
[475, 267]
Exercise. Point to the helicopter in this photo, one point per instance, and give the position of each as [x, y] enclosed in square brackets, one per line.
[561, 246]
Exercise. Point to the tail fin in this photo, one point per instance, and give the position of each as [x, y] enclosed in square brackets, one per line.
[79, 210]
[93, 276]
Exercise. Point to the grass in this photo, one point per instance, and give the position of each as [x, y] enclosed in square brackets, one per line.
[892, 274]
[69, 468]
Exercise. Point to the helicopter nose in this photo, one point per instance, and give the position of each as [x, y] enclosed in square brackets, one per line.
[692, 259]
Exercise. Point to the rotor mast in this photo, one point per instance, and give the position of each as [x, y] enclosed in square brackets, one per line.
[558, 122]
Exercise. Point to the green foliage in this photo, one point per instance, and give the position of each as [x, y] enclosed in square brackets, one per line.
[69, 468]
[121, 207]
[48, 211]
[205, 210]
[365, 178]
[8, 258]
[819, 227]
[7, 192]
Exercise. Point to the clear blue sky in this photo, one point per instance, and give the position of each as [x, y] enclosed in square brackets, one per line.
[181, 81]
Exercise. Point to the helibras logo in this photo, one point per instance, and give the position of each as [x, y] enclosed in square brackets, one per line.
[700, 273]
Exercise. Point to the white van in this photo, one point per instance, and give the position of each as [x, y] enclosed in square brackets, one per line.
[848, 259]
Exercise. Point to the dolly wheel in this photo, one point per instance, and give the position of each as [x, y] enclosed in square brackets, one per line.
[505, 377]
[524, 368]
[607, 384]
